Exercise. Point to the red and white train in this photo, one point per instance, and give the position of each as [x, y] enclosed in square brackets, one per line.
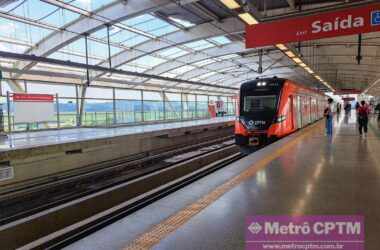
[272, 108]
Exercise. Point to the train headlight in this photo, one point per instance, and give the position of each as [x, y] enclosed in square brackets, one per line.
[280, 118]
[261, 84]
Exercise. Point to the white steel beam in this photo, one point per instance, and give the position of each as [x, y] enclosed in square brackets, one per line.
[114, 12]
[202, 31]
[188, 59]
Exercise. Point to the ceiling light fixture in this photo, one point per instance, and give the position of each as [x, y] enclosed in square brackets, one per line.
[297, 60]
[281, 46]
[290, 54]
[302, 64]
[248, 18]
[231, 4]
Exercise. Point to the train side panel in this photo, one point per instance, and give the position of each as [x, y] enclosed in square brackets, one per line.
[285, 115]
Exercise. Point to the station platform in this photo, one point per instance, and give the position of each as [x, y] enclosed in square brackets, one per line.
[33, 155]
[33, 139]
[306, 173]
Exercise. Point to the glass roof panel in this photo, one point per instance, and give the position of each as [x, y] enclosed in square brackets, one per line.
[173, 52]
[39, 11]
[75, 52]
[122, 36]
[150, 24]
[60, 17]
[102, 33]
[10, 6]
[117, 35]
[77, 46]
[21, 31]
[182, 70]
[182, 22]
[168, 74]
[138, 20]
[59, 55]
[163, 31]
[98, 49]
[204, 62]
[230, 56]
[135, 40]
[16, 48]
[229, 68]
[199, 45]
[211, 73]
[221, 40]
[147, 61]
[33, 9]
[89, 5]
[115, 50]
[9, 28]
[133, 68]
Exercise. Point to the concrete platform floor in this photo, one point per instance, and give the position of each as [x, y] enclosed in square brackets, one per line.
[51, 137]
[306, 173]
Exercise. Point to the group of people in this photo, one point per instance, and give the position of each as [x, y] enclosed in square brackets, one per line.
[362, 111]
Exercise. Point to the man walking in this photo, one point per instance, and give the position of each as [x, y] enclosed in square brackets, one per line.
[363, 112]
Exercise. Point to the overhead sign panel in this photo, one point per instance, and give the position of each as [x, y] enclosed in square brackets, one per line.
[350, 21]
[33, 108]
[347, 91]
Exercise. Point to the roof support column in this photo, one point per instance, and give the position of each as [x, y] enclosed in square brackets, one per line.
[109, 45]
[82, 102]
[87, 71]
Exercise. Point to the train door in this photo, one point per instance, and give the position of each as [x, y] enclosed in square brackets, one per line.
[314, 109]
[304, 111]
[317, 108]
[310, 109]
[291, 112]
[299, 112]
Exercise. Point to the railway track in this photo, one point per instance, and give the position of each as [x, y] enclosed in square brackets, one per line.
[18, 203]
[79, 205]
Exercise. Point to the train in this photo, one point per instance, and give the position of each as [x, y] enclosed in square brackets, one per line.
[271, 108]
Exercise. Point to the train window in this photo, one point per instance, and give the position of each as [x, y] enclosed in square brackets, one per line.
[259, 103]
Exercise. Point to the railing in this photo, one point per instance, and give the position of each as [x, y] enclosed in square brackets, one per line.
[111, 112]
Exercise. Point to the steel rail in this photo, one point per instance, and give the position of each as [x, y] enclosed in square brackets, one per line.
[33, 232]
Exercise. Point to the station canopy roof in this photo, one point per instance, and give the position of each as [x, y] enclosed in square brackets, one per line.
[193, 46]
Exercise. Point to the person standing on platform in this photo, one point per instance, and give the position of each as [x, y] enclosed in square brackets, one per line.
[347, 108]
[363, 112]
[329, 117]
[338, 108]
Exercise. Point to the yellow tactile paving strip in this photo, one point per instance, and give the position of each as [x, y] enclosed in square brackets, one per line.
[153, 236]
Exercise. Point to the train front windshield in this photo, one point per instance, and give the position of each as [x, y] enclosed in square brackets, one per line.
[258, 112]
[253, 104]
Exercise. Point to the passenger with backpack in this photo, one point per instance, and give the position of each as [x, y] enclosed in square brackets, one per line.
[363, 112]
[329, 117]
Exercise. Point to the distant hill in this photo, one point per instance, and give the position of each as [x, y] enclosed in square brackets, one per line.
[127, 106]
